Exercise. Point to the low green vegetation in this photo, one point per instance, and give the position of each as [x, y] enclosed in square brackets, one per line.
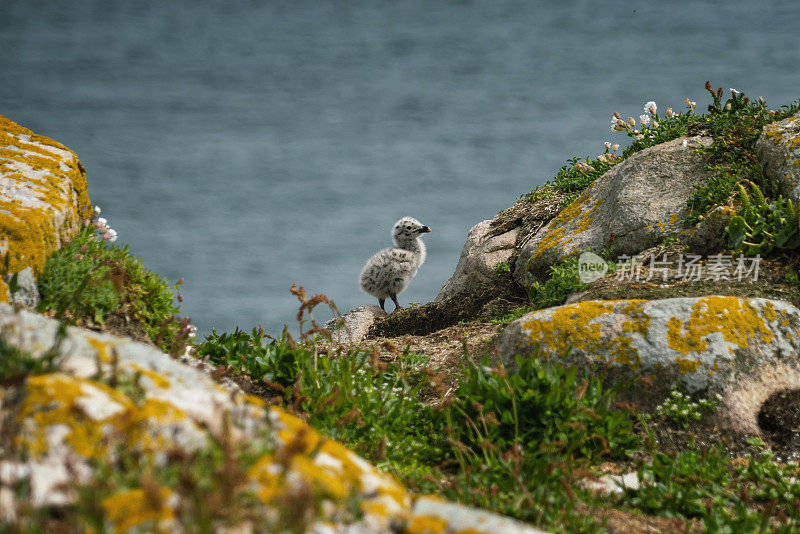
[753, 493]
[761, 227]
[679, 408]
[89, 281]
[501, 268]
[734, 124]
[496, 438]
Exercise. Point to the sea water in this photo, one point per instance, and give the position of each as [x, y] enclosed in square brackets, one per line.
[247, 145]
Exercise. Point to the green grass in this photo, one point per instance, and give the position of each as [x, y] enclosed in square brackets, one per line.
[89, 280]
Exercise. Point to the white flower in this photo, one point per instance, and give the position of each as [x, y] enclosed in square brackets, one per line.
[614, 147]
[101, 221]
[608, 145]
[685, 143]
[651, 107]
[645, 119]
[734, 92]
[614, 123]
[97, 210]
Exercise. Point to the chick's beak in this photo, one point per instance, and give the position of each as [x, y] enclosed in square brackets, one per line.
[424, 230]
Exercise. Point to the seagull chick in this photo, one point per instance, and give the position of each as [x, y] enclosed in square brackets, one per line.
[388, 272]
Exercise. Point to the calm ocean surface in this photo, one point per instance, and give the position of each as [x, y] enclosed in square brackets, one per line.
[246, 145]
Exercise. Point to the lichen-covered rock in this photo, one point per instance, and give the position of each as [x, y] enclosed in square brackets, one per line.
[778, 150]
[482, 251]
[742, 348]
[43, 197]
[435, 515]
[633, 206]
[353, 326]
[110, 396]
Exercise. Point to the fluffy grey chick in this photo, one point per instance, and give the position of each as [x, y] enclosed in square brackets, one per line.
[389, 271]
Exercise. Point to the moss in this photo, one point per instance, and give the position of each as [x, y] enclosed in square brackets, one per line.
[54, 175]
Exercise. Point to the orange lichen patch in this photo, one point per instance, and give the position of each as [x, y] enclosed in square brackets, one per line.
[101, 348]
[134, 507]
[52, 182]
[158, 380]
[426, 524]
[734, 318]
[58, 399]
[470, 531]
[581, 326]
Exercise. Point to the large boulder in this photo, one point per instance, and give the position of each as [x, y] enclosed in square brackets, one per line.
[633, 206]
[778, 150]
[482, 251]
[745, 349]
[43, 198]
[107, 396]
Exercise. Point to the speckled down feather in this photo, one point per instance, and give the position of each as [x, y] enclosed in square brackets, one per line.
[389, 271]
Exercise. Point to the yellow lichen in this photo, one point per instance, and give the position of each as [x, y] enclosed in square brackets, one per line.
[736, 319]
[687, 366]
[101, 348]
[134, 507]
[426, 524]
[769, 312]
[268, 475]
[52, 174]
[321, 478]
[158, 380]
[91, 412]
[55, 399]
[578, 325]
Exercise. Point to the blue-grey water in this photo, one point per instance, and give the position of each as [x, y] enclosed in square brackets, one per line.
[246, 145]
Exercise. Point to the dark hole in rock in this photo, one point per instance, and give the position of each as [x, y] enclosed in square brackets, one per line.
[779, 419]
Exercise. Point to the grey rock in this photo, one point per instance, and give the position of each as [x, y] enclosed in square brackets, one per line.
[633, 206]
[616, 484]
[353, 326]
[707, 236]
[778, 150]
[481, 252]
[464, 518]
[744, 349]
[27, 292]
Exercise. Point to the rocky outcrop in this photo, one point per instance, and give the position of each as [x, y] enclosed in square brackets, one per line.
[43, 198]
[106, 394]
[778, 150]
[633, 206]
[742, 348]
[482, 251]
